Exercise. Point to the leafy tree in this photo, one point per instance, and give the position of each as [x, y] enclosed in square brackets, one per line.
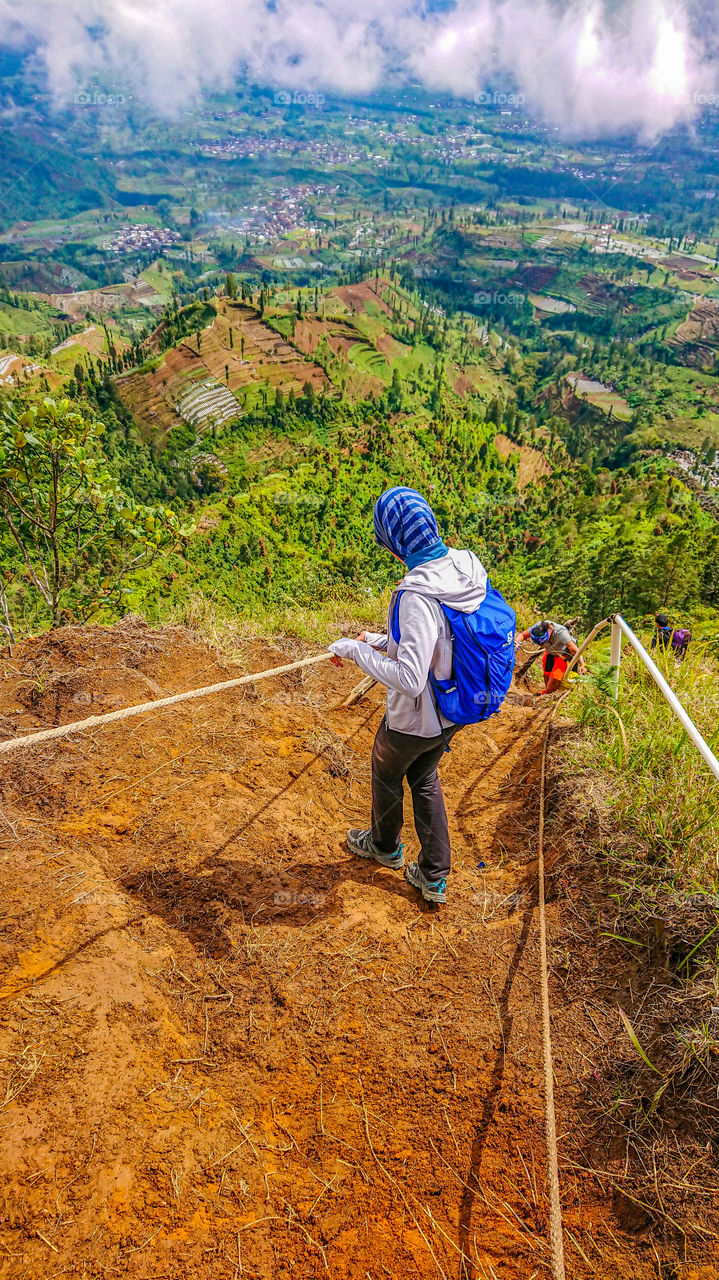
[394, 395]
[208, 473]
[75, 531]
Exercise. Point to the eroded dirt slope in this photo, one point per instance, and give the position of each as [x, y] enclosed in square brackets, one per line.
[231, 1049]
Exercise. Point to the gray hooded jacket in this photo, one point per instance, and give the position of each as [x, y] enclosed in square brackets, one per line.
[458, 580]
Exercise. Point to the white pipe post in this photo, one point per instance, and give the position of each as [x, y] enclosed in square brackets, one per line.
[688, 725]
[615, 657]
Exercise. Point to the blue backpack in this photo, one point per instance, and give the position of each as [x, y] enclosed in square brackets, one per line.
[482, 662]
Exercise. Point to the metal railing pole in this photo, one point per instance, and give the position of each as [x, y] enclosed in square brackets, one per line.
[665, 688]
[615, 657]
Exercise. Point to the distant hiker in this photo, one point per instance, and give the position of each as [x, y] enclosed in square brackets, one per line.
[662, 637]
[434, 617]
[559, 648]
[666, 636]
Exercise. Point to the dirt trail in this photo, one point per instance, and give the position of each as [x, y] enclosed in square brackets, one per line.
[231, 1049]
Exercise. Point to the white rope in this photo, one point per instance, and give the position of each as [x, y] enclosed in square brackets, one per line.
[93, 722]
[555, 1207]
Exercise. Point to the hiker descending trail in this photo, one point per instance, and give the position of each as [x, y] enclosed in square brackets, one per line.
[447, 660]
[666, 638]
[559, 647]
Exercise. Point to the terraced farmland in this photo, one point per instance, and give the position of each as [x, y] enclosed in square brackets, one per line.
[550, 305]
[598, 394]
[207, 403]
[696, 340]
[346, 353]
[238, 355]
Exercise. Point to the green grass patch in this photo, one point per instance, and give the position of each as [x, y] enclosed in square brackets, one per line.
[662, 792]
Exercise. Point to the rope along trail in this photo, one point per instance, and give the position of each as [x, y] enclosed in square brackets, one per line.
[125, 713]
[555, 1208]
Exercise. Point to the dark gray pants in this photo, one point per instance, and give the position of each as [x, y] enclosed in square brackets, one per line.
[396, 756]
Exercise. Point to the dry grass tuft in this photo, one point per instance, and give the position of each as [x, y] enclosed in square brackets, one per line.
[230, 632]
[218, 627]
[342, 762]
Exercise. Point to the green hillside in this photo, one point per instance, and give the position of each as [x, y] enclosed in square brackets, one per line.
[280, 455]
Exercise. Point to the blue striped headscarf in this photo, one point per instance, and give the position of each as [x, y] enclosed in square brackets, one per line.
[405, 523]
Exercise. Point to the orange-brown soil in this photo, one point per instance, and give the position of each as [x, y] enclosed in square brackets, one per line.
[532, 462]
[338, 334]
[391, 348]
[355, 296]
[229, 1048]
[341, 336]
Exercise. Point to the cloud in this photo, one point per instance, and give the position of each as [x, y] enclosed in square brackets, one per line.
[588, 66]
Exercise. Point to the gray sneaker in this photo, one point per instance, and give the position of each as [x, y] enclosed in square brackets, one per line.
[361, 843]
[431, 890]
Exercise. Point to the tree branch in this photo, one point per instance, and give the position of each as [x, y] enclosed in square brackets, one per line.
[44, 590]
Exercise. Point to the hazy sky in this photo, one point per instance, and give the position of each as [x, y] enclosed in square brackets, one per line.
[590, 67]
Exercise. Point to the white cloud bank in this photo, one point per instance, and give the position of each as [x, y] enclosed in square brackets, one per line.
[589, 66]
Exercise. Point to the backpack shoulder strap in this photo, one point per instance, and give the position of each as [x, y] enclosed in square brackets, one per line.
[394, 620]
[441, 617]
